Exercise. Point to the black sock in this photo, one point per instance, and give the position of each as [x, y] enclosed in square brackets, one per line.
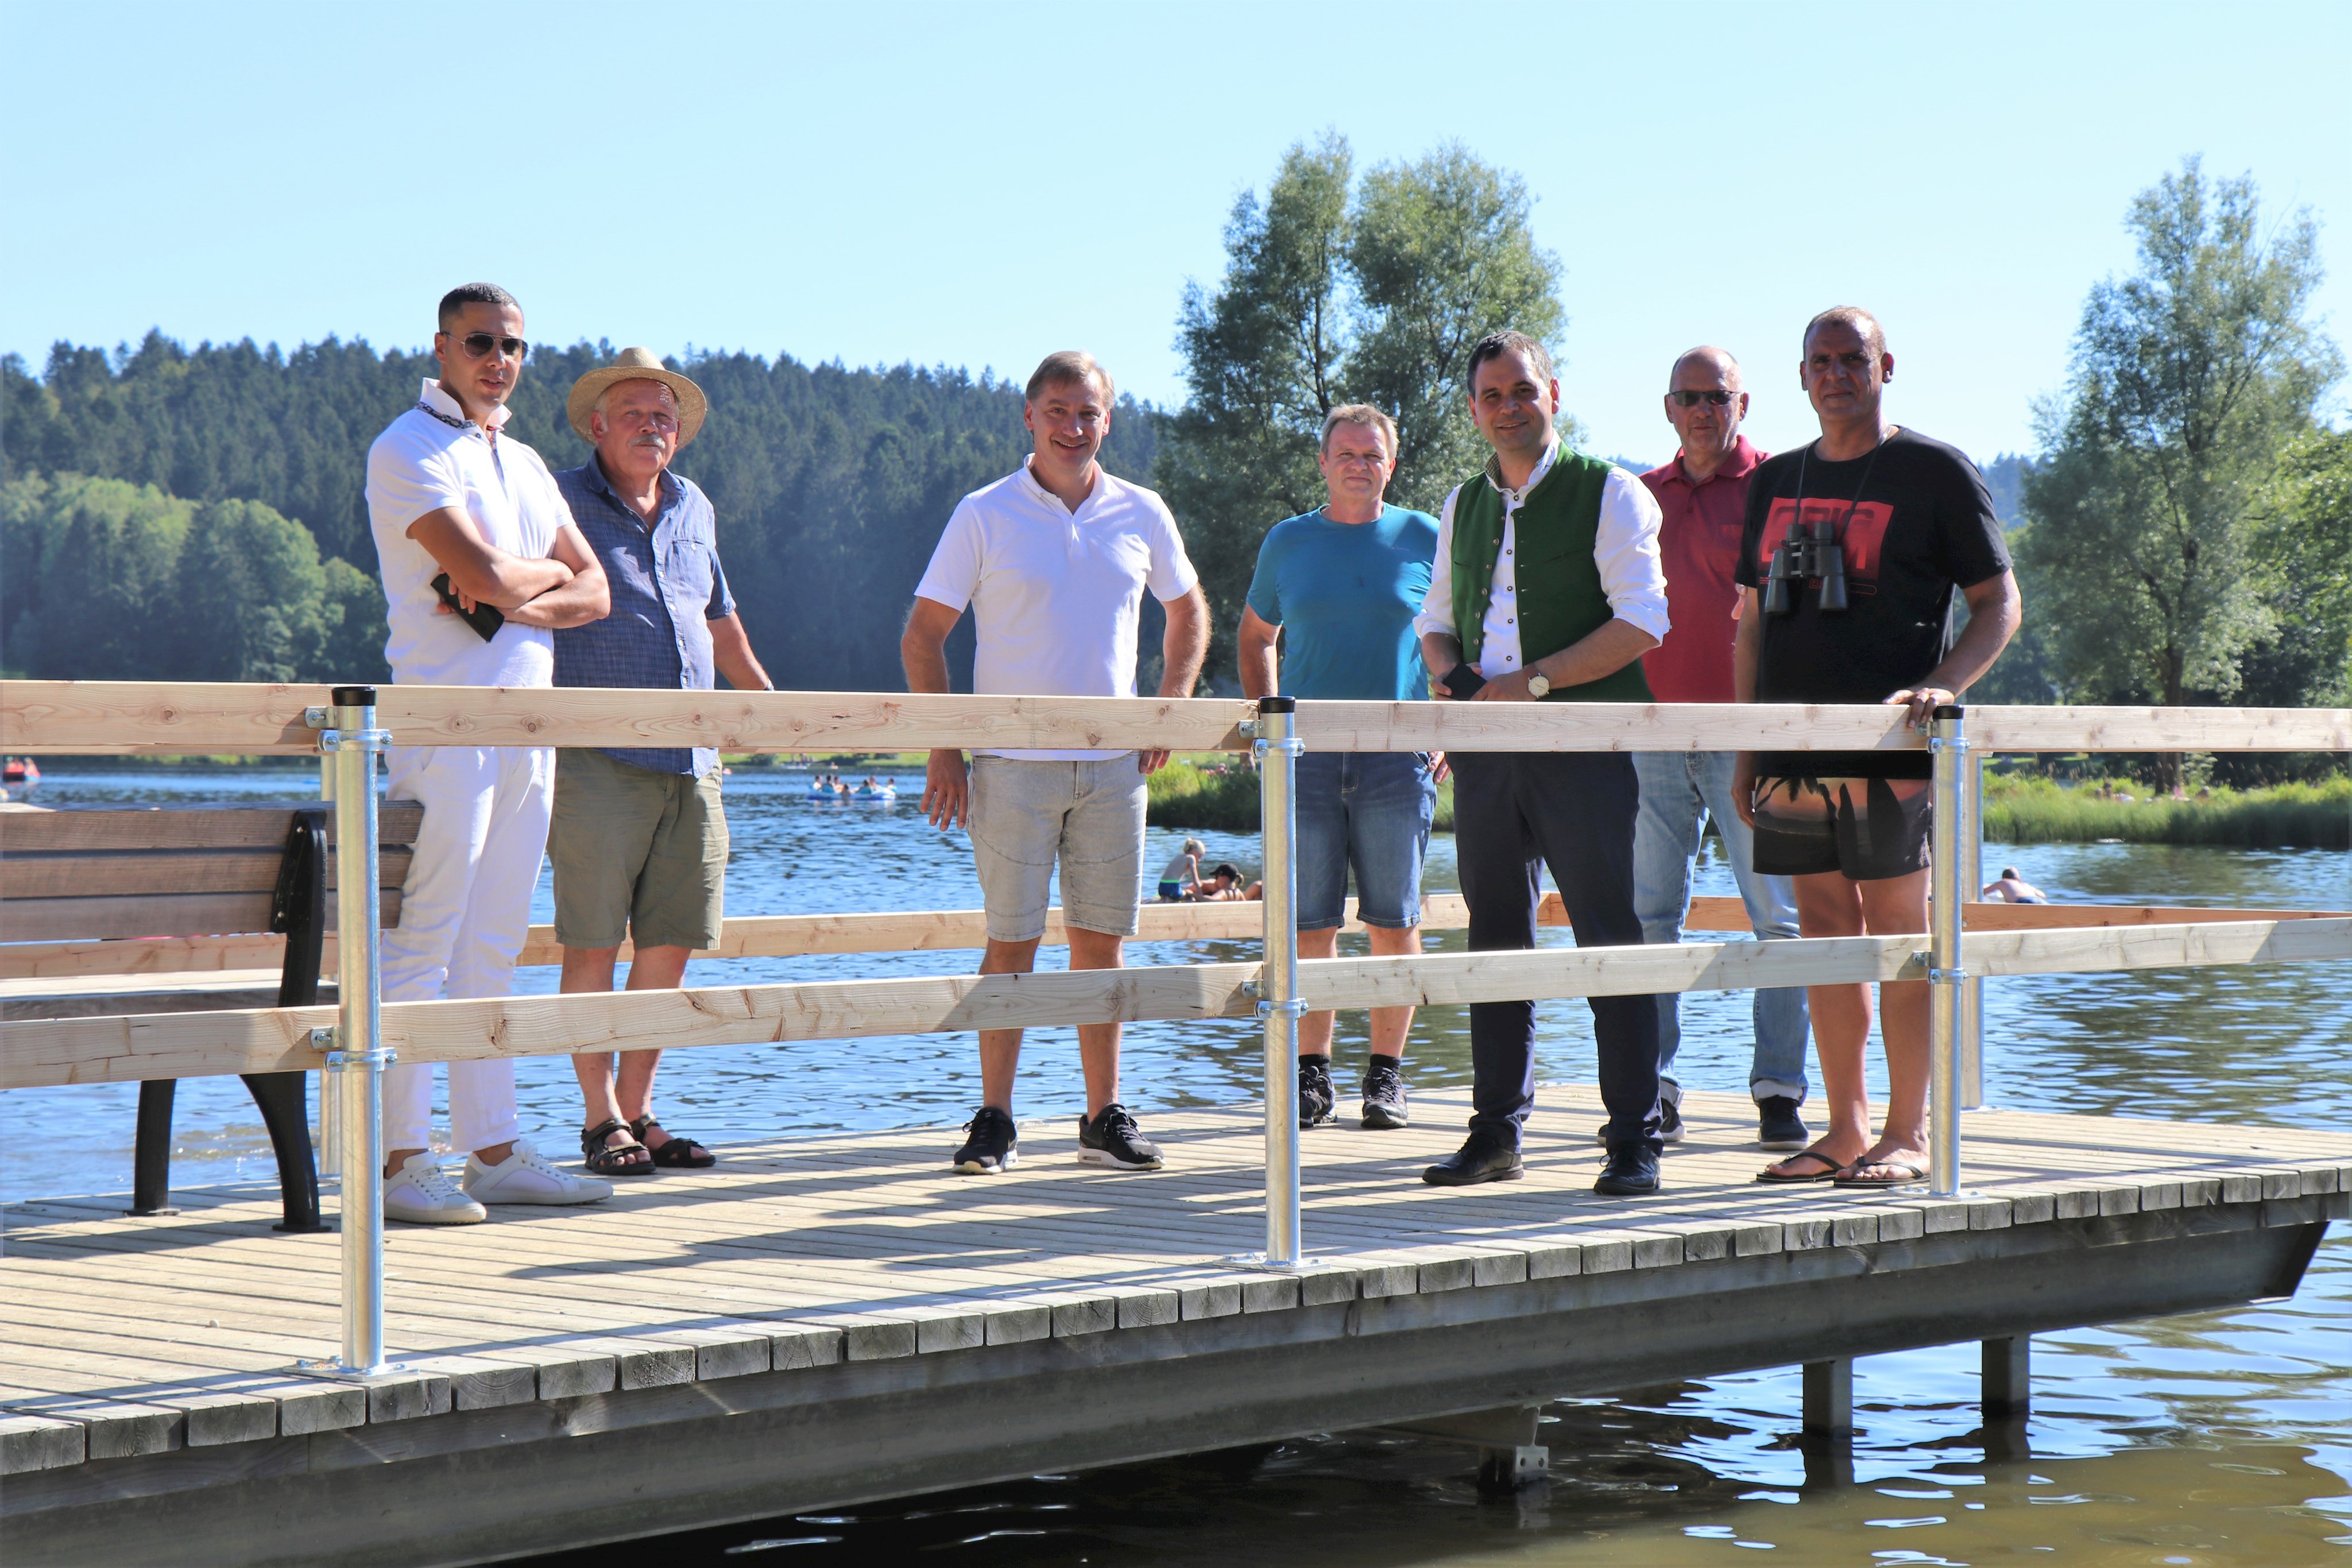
[1395, 1063]
[1322, 1056]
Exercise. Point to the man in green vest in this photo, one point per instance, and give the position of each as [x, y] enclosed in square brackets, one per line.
[1547, 587]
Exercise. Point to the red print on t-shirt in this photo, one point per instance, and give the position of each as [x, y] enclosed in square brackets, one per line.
[1864, 534]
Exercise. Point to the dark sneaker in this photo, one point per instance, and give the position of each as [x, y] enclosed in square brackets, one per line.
[1113, 1139]
[1670, 1124]
[1632, 1172]
[991, 1146]
[1481, 1159]
[1316, 1099]
[1778, 1125]
[1384, 1105]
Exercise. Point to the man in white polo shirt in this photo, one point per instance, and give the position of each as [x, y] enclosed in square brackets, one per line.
[1054, 560]
[482, 563]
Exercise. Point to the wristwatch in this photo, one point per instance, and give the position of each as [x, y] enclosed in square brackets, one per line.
[1539, 684]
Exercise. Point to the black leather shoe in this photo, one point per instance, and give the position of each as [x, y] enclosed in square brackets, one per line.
[1632, 1172]
[1480, 1159]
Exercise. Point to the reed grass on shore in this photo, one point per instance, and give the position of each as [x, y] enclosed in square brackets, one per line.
[2035, 811]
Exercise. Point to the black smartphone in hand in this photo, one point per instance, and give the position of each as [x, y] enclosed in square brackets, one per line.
[484, 619]
[1462, 681]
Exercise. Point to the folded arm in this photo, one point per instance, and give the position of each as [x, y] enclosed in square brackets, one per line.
[480, 570]
[586, 597]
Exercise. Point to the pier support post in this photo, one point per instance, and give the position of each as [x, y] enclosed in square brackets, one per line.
[1972, 881]
[1948, 748]
[1828, 1398]
[1277, 748]
[2008, 1377]
[1510, 1456]
[357, 1058]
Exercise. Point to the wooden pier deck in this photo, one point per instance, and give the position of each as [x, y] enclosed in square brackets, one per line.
[826, 1320]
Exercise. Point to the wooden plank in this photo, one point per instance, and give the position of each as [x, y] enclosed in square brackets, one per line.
[163, 914]
[80, 1051]
[149, 873]
[200, 825]
[1708, 913]
[162, 717]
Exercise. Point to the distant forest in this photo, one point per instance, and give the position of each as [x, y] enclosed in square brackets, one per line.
[831, 486]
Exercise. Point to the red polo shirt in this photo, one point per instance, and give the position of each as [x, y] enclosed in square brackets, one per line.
[1700, 544]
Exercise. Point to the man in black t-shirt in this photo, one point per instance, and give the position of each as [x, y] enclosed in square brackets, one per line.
[1915, 530]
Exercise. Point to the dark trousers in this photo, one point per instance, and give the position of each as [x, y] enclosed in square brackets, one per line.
[1573, 812]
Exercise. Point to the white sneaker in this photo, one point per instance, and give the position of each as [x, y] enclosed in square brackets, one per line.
[527, 1176]
[420, 1192]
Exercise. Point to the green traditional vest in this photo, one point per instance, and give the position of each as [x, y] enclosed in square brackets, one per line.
[1561, 601]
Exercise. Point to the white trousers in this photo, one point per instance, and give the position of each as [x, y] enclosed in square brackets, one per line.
[463, 917]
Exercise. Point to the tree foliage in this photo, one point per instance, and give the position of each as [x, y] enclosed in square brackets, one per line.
[1342, 290]
[2189, 379]
[830, 485]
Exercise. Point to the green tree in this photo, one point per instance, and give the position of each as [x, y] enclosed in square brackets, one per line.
[251, 601]
[1339, 290]
[86, 590]
[2189, 379]
[2304, 537]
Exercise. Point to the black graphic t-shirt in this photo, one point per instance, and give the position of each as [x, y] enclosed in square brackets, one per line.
[1916, 523]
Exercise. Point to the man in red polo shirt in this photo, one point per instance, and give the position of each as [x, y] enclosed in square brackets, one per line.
[1704, 496]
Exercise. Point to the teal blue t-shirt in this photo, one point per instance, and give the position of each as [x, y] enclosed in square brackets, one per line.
[1345, 595]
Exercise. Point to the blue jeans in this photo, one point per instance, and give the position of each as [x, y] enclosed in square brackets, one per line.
[1677, 789]
[1369, 810]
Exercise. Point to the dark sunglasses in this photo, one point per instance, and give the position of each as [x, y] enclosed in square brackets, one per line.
[479, 344]
[1693, 399]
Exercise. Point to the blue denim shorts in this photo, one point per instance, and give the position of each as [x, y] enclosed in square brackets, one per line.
[1368, 811]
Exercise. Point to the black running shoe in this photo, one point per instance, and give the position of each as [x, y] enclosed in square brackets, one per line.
[1385, 1102]
[1778, 1125]
[1113, 1139]
[1670, 1124]
[1317, 1101]
[992, 1146]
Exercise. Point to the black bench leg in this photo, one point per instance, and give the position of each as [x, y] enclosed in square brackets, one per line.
[284, 1100]
[151, 1155]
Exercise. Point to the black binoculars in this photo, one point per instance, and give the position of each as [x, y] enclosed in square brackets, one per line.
[1805, 555]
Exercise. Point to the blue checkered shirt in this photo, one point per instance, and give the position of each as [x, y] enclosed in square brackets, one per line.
[668, 587]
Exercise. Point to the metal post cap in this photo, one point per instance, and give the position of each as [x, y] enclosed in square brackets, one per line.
[352, 696]
[1948, 711]
[1278, 705]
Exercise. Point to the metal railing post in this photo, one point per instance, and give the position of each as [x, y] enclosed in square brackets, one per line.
[1948, 746]
[1972, 882]
[1277, 748]
[351, 743]
[330, 1121]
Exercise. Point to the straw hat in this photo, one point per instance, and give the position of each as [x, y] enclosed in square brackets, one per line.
[637, 365]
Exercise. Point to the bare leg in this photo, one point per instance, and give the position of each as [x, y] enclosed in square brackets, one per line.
[652, 969]
[1829, 904]
[1098, 1042]
[1315, 1028]
[1000, 1049]
[1898, 906]
[589, 970]
[1391, 1025]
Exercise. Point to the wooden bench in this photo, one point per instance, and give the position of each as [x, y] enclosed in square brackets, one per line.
[135, 877]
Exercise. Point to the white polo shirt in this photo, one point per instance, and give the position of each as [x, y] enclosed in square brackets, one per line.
[434, 457]
[1059, 595]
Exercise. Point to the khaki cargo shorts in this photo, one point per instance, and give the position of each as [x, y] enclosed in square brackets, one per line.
[637, 853]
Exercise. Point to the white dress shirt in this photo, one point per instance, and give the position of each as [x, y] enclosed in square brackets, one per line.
[1625, 550]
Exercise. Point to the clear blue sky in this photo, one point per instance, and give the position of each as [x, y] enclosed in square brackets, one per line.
[975, 185]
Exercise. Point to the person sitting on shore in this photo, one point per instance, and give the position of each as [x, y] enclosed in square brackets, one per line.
[1225, 886]
[1182, 879]
[2011, 888]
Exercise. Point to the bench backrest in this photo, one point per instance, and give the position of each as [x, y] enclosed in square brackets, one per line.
[167, 870]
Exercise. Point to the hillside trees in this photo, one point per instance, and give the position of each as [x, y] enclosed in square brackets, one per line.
[2189, 381]
[1341, 291]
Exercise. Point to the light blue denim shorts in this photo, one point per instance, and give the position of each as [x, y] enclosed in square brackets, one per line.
[1027, 816]
[1368, 811]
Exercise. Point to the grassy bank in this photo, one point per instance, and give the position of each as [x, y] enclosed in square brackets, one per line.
[2033, 810]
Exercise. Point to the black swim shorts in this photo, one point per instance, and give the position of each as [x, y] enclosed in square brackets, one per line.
[1868, 828]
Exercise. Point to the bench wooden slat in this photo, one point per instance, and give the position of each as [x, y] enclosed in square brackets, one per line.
[163, 914]
[146, 873]
[209, 825]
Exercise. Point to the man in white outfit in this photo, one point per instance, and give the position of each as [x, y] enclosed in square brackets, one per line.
[482, 563]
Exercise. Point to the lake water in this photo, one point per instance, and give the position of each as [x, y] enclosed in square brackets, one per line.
[2221, 1438]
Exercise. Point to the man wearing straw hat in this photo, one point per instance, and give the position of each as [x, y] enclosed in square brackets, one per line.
[639, 837]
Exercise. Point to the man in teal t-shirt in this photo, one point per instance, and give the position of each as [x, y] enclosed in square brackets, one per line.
[1339, 587]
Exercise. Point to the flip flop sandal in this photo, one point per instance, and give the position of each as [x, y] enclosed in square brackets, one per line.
[1911, 1173]
[1769, 1177]
[602, 1159]
[680, 1154]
